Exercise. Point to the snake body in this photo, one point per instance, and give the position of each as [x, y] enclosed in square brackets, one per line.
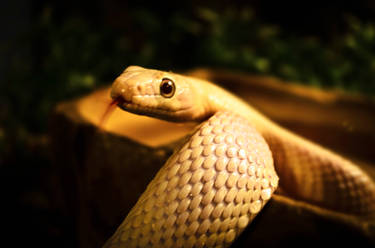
[215, 183]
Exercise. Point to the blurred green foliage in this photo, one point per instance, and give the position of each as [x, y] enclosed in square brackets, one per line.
[73, 56]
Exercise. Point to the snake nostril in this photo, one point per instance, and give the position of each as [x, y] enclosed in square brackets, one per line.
[140, 89]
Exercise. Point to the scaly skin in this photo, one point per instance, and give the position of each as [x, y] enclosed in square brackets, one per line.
[211, 188]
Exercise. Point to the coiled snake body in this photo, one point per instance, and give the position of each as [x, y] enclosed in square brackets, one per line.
[211, 188]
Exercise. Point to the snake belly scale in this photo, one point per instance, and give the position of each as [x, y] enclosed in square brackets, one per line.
[212, 186]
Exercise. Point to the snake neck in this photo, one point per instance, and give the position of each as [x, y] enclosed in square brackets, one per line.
[219, 99]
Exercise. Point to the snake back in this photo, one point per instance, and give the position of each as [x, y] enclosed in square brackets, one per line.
[207, 192]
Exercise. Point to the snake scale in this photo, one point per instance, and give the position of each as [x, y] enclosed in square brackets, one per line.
[215, 183]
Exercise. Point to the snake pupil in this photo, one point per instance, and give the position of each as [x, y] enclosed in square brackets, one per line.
[167, 88]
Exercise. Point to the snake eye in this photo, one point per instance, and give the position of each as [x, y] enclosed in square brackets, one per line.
[167, 88]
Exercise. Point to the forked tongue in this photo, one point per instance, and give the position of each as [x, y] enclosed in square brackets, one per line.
[108, 112]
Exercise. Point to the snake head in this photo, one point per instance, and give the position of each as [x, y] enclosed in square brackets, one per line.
[159, 94]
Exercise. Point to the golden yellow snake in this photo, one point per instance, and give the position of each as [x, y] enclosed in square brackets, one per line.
[212, 186]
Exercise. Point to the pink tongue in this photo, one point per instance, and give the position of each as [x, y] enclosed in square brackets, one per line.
[109, 110]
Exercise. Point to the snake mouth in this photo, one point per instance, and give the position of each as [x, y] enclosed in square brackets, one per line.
[122, 103]
[125, 104]
[136, 108]
[156, 112]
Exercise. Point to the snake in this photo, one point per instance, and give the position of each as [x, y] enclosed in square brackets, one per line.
[226, 170]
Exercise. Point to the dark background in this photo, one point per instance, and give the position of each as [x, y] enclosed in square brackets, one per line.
[55, 50]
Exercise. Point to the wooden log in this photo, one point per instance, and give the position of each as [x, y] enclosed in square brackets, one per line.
[103, 171]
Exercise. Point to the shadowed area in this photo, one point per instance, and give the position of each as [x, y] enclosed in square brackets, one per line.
[61, 177]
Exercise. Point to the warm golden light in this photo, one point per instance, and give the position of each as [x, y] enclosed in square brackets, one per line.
[97, 109]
